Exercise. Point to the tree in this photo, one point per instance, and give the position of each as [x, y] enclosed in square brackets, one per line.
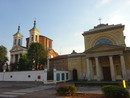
[36, 53]
[23, 63]
[3, 58]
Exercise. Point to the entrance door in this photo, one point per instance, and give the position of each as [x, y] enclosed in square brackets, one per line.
[75, 76]
[106, 74]
[50, 75]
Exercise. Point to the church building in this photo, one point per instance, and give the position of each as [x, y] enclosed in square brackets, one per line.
[18, 50]
[106, 57]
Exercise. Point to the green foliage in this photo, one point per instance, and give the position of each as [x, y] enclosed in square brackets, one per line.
[36, 53]
[66, 90]
[115, 92]
[98, 83]
[3, 58]
[3, 53]
[14, 66]
[23, 63]
[43, 61]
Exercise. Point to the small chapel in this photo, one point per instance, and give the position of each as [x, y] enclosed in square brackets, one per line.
[106, 57]
[18, 49]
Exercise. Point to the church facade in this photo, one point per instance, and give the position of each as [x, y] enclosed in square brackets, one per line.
[106, 56]
[18, 50]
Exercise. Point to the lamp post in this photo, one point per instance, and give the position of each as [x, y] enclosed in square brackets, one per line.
[48, 51]
[33, 67]
[4, 69]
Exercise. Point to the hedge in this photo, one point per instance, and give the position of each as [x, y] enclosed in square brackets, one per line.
[115, 91]
[100, 84]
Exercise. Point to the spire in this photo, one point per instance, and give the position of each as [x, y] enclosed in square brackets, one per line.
[34, 23]
[34, 26]
[18, 29]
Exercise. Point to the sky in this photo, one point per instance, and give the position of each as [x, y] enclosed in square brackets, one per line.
[64, 21]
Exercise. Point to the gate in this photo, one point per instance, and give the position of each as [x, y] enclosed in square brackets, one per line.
[50, 75]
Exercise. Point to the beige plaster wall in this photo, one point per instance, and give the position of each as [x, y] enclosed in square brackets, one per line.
[77, 63]
[115, 36]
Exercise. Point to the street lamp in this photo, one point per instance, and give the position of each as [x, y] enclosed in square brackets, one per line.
[4, 69]
[33, 67]
[48, 51]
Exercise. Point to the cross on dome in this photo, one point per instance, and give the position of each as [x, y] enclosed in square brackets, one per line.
[99, 20]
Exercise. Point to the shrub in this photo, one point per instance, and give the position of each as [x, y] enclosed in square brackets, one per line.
[98, 83]
[66, 90]
[115, 92]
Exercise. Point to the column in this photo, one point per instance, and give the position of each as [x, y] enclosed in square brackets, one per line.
[16, 41]
[98, 69]
[21, 41]
[13, 59]
[18, 57]
[91, 69]
[34, 38]
[88, 69]
[65, 77]
[112, 68]
[123, 68]
[45, 76]
[54, 75]
[38, 37]
[90, 73]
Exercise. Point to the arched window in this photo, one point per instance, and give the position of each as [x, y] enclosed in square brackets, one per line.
[19, 42]
[14, 41]
[103, 41]
[32, 37]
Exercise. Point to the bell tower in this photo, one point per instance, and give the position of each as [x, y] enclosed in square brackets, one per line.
[34, 34]
[17, 39]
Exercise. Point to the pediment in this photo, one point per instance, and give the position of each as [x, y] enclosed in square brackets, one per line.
[104, 47]
[17, 48]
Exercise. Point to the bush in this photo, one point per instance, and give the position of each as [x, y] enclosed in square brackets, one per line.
[98, 83]
[115, 92]
[66, 90]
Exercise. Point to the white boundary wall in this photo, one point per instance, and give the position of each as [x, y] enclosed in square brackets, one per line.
[24, 76]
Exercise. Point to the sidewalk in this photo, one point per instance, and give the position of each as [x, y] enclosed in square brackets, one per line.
[32, 90]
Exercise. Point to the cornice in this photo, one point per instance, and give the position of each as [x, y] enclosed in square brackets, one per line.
[103, 29]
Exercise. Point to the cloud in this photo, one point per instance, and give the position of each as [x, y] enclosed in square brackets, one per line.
[102, 2]
[115, 19]
[78, 35]
[118, 17]
[128, 1]
[68, 49]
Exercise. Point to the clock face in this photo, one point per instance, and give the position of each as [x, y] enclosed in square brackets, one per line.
[103, 41]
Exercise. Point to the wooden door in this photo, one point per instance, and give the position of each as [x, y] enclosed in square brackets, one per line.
[75, 76]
